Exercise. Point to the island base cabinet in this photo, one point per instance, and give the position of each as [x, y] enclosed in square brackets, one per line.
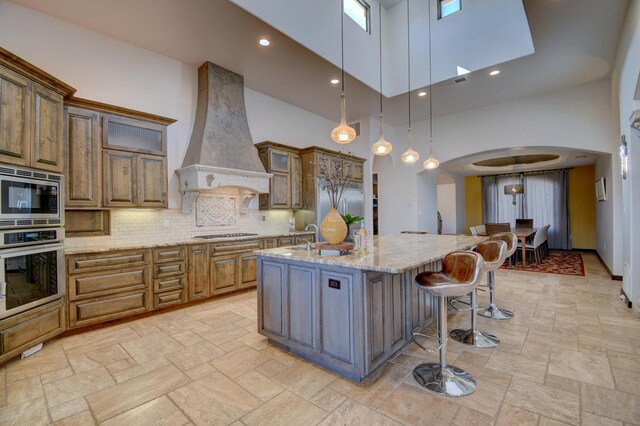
[384, 316]
[420, 303]
[312, 312]
[27, 329]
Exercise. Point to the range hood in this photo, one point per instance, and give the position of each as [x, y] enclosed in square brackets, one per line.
[221, 153]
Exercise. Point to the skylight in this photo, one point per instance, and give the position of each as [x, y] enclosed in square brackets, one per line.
[358, 10]
[447, 7]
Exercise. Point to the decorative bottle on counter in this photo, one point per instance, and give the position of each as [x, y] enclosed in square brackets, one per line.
[363, 239]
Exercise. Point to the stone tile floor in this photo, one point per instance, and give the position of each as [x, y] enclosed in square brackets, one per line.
[571, 355]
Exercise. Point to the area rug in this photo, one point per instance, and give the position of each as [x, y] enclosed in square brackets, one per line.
[557, 262]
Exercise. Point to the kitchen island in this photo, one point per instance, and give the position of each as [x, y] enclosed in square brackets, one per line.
[350, 313]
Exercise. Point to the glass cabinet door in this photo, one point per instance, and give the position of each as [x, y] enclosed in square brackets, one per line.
[279, 161]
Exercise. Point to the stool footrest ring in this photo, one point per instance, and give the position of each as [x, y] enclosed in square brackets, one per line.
[426, 336]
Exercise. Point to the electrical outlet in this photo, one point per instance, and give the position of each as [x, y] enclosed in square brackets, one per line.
[167, 223]
[263, 218]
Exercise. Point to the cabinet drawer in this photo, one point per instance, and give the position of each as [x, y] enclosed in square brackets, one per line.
[103, 283]
[32, 327]
[304, 238]
[101, 261]
[102, 309]
[167, 299]
[168, 269]
[234, 247]
[286, 241]
[171, 283]
[168, 254]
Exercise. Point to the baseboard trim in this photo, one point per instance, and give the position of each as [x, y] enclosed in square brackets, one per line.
[606, 268]
[625, 299]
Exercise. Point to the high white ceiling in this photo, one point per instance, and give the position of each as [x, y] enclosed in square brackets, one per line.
[575, 42]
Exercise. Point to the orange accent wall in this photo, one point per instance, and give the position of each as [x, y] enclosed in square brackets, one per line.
[582, 207]
[472, 201]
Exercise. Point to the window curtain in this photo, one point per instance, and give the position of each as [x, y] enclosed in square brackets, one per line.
[496, 206]
[547, 203]
[545, 200]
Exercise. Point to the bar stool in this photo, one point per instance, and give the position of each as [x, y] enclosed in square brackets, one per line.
[492, 311]
[493, 255]
[460, 274]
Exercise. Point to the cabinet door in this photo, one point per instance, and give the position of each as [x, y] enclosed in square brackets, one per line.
[279, 161]
[83, 152]
[358, 170]
[296, 182]
[152, 181]
[280, 191]
[248, 270]
[329, 162]
[223, 273]
[47, 134]
[198, 275]
[119, 179]
[134, 135]
[15, 112]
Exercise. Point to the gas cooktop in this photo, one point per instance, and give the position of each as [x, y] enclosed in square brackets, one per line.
[214, 236]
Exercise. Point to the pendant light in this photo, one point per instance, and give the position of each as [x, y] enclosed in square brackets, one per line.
[430, 163]
[409, 156]
[343, 134]
[382, 147]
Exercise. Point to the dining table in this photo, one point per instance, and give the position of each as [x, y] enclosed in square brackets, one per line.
[522, 234]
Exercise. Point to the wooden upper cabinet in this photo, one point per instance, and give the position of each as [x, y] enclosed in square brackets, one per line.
[15, 110]
[116, 155]
[120, 179]
[83, 149]
[31, 103]
[134, 135]
[296, 182]
[286, 184]
[47, 131]
[152, 181]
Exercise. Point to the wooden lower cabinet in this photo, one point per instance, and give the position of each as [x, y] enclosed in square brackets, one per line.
[248, 270]
[27, 329]
[198, 275]
[223, 273]
[100, 309]
[170, 298]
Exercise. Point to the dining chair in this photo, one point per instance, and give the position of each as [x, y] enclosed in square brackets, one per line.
[535, 247]
[494, 228]
[474, 230]
[545, 243]
[481, 229]
[524, 223]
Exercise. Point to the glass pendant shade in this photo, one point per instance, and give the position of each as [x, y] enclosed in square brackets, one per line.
[410, 156]
[382, 147]
[432, 162]
[343, 134]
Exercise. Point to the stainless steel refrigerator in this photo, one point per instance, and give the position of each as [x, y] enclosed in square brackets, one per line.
[352, 202]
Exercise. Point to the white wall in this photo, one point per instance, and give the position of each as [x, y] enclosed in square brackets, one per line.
[446, 194]
[625, 78]
[579, 117]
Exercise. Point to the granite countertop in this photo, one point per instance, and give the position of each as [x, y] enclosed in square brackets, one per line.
[394, 253]
[108, 247]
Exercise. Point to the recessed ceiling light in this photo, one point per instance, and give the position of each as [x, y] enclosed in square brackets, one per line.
[334, 81]
[494, 72]
[422, 94]
[264, 42]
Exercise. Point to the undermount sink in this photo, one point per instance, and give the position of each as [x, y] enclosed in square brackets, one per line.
[298, 248]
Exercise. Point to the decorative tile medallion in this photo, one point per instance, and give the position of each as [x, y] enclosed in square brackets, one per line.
[216, 211]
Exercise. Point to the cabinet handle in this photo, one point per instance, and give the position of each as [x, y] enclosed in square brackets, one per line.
[197, 251]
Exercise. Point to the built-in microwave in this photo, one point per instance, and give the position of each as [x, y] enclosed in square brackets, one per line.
[30, 198]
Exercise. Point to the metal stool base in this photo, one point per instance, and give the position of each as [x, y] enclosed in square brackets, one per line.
[493, 312]
[478, 339]
[448, 381]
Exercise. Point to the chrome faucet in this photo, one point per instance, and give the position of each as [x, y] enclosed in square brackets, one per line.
[315, 228]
